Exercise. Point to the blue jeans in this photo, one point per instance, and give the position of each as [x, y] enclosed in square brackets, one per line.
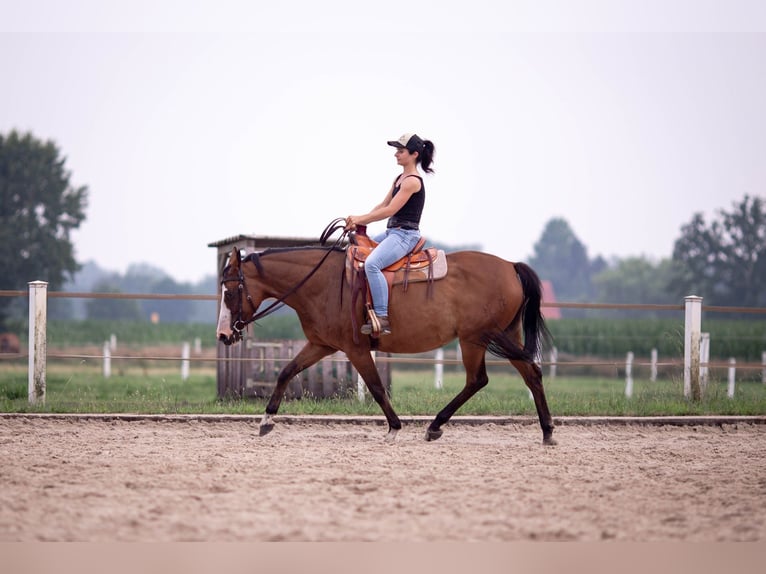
[394, 244]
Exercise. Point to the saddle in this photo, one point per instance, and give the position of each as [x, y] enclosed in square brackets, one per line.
[421, 264]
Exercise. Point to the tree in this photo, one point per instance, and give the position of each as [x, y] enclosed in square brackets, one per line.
[39, 208]
[724, 261]
[635, 280]
[561, 258]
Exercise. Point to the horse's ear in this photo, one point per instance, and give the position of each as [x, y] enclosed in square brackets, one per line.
[235, 259]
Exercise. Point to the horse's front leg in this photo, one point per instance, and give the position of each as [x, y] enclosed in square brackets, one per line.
[308, 355]
[365, 365]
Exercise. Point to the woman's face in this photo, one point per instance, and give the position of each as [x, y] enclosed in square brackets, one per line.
[404, 157]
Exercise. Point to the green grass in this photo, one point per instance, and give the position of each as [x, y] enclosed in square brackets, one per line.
[82, 389]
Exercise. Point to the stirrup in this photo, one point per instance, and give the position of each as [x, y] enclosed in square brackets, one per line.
[376, 326]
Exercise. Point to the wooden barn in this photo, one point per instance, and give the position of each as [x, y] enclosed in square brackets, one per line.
[250, 368]
[549, 296]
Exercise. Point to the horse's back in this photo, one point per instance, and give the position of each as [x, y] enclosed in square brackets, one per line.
[478, 267]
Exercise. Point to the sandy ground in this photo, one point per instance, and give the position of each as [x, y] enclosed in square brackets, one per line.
[191, 480]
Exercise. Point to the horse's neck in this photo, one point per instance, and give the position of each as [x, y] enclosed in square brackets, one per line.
[282, 271]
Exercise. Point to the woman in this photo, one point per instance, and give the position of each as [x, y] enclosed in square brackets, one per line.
[403, 205]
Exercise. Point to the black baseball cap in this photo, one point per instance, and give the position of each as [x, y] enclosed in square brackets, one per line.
[410, 142]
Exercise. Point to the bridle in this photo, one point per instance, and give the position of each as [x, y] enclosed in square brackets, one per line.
[238, 323]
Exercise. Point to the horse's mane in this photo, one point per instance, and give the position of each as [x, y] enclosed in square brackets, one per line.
[255, 257]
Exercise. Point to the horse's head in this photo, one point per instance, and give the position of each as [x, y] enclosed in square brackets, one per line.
[237, 307]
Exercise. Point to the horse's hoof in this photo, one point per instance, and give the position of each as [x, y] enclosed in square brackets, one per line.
[433, 434]
[391, 436]
[265, 429]
[549, 441]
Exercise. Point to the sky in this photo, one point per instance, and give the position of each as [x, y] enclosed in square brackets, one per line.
[191, 122]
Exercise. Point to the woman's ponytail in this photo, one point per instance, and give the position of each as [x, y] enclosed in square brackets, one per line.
[426, 157]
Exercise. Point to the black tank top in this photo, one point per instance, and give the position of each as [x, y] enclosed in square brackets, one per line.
[413, 209]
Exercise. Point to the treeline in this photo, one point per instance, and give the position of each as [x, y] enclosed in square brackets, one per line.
[722, 259]
[139, 279]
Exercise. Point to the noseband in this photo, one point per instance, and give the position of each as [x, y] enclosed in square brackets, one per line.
[238, 324]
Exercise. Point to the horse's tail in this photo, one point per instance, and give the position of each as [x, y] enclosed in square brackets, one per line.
[536, 332]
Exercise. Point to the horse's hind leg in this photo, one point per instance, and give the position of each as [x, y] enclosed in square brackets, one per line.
[307, 356]
[533, 377]
[475, 379]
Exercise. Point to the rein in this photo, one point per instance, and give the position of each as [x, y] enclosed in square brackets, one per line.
[238, 325]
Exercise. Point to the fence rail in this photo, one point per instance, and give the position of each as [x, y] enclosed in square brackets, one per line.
[693, 363]
[545, 305]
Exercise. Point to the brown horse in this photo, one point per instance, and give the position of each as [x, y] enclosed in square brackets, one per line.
[484, 301]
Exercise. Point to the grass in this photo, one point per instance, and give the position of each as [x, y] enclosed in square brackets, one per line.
[83, 389]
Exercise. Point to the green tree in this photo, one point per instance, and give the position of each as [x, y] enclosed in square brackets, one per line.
[724, 261]
[635, 280]
[39, 207]
[561, 258]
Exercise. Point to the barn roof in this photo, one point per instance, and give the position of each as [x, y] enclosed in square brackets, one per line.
[265, 241]
[549, 296]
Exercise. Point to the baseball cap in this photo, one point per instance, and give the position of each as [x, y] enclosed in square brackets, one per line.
[411, 142]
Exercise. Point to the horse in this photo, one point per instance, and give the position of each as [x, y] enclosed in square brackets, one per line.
[487, 303]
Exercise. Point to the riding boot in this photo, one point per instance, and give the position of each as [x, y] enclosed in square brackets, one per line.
[384, 327]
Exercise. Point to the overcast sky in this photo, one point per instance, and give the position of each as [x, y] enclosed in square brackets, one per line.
[193, 122]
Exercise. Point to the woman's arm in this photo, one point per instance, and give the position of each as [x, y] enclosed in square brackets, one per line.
[389, 206]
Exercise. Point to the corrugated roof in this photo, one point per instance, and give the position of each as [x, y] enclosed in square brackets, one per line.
[266, 241]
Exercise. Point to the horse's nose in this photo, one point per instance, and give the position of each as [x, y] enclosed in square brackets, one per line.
[226, 340]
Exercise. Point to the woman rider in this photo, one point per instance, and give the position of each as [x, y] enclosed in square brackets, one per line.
[403, 205]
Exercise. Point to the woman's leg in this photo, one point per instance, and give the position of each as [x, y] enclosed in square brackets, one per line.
[396, 244]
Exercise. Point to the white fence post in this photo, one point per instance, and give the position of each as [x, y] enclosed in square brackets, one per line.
[439, 368]
[554, 360]
[38, 343]
[653, 373]
[704, 359]
[360, 385]
[732, 377]
[629, 375]
[692, 329]
[185, 351]
[113, 342]
[107, 360]
[763, 373]
[197, 346]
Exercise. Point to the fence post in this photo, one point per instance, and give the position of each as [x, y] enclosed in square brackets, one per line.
[439, 368]
[107, 360]
[763, 373]
[732, 377]
[554, 360]
[360, 384]
[704, 359]
[629, 375]
[185, 350]
[653, 374]
[38, 343]
[692, 329]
